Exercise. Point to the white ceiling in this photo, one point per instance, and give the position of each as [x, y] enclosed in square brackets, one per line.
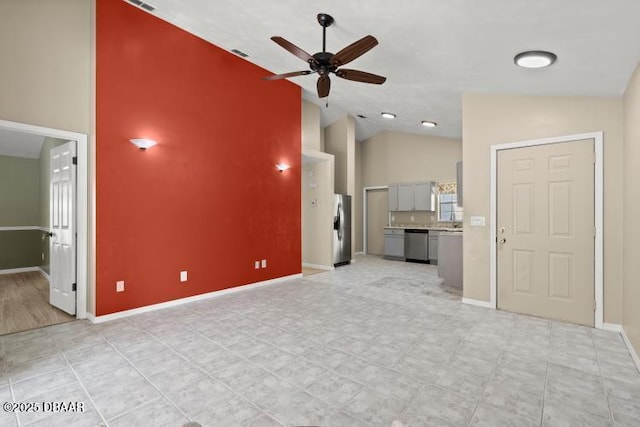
[431, 51]
[18, 144]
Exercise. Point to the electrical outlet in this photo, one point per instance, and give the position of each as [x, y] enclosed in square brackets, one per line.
[183, 276]
[257, 265]
[120, 286]
[413, 218]
[264, 263]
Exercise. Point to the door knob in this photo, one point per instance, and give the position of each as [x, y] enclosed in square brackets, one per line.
[50, 234]
[503, 240]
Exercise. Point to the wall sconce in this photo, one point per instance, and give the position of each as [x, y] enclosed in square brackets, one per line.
[143, 143]
[282, 167]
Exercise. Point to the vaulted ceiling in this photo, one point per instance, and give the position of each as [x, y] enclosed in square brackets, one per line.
[431, 51]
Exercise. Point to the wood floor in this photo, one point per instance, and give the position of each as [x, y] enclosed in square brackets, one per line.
[24, 303]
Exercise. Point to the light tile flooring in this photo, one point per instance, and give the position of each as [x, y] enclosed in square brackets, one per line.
[339, 348]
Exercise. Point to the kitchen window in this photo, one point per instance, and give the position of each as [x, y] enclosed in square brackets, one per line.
[448, 209]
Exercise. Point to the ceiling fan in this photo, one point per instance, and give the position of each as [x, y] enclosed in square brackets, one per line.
[325, 63]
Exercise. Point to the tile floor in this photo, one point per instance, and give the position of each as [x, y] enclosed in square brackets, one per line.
[351, 347]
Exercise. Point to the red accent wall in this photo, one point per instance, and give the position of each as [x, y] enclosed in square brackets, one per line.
[208, 198]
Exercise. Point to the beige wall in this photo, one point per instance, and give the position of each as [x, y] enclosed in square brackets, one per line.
[339, 140]
[631, 211]
[496, 119]
[356, 200]
[317, 221]
[311, 130]
[393, 157]
[46, 50]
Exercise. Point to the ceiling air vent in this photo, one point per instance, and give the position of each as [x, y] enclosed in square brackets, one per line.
[143, 5]
[239, 53]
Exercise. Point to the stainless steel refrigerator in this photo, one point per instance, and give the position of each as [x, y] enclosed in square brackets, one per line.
[341, 229]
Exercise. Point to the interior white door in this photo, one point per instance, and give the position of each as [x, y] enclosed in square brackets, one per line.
[62, 283]
[545, 220]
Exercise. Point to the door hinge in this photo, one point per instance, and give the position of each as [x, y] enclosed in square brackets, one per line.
[73, 287]
[594, 305]
[74, 160]
[594, 232]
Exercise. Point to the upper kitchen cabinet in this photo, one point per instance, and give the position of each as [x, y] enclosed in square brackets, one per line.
[424, 195]
[392, 197]
[420, 196]
[405, 197]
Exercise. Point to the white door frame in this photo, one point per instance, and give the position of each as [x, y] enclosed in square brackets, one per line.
[364, 213]
[82, 203]
[598, 214]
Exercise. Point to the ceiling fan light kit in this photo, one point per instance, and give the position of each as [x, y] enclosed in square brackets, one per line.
[389, 116]
[325, 63]
[535, 59]
[428, 124]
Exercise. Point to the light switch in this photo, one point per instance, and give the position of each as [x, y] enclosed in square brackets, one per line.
[183, 276]
[264, 263]
[257, 265]
[477, 221]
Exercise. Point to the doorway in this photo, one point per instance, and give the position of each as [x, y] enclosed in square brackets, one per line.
[79, 236]
[376, 217]
[546, 231]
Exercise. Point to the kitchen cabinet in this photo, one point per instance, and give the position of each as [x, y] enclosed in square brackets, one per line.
[405, 197]
[392, 197]
[433, 246]
[394, 243]
[419, 196]
[450, 259]
[424, 195]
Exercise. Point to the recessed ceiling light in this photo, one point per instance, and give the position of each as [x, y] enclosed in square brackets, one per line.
[535, 59]
[428, 124]
[389, 116]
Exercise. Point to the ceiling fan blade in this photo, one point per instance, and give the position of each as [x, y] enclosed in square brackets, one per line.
[294, 49]
[324, 85]
[360, 76]
[354, 50]
[287, 75]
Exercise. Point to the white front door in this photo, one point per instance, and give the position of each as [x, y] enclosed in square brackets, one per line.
[62, 283]
[545, 231]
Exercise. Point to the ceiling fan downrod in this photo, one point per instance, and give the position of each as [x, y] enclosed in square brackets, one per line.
[324, 20]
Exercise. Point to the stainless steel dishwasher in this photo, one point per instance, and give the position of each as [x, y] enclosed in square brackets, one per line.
[416, 245]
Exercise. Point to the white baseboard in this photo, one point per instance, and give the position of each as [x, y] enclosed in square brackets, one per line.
[632, 351]
[44, 273]
[19, 270]
[613, 327]
[318, 266]
[477, 302]
[174, 303]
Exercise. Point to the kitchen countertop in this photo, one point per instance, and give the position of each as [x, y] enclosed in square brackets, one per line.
[426, 227]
